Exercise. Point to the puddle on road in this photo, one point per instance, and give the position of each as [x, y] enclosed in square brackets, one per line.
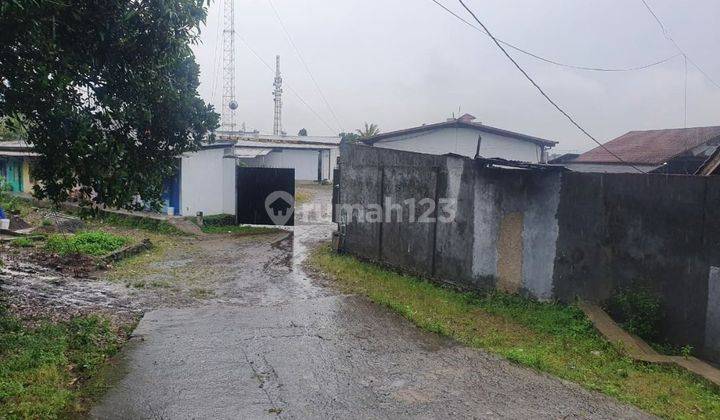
[34, 292]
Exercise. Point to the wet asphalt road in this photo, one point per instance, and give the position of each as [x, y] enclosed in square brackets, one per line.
[276, 343]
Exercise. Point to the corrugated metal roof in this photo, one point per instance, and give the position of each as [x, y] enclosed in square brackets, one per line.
[252, 136]
[15, 153]
[652, 147]
[16, 148]
[460, 124]
[250, 152]
[283, 145]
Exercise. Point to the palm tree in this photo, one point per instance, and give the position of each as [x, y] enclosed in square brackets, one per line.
[369, 130]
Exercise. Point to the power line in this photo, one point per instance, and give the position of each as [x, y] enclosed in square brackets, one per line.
[670, 38]
[542, 92]
[307, 68]
[286, 85]
[550, 61]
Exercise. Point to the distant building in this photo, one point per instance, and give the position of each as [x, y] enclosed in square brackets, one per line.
[312, 157]
[460, 136]
[675, 151]
[15, 160]
[204, 181]
[564, 158]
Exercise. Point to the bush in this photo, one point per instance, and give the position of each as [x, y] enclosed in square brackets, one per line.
[8, 203]
[90, 243]
[639, 312]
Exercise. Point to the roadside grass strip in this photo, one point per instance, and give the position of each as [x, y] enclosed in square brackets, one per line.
[94, 243]
[44, 369]
[549, 337]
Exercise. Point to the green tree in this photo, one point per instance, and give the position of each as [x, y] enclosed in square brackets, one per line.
[302, 132]
[349, 137]
[368, 130]
[107, 91]
[12, 129]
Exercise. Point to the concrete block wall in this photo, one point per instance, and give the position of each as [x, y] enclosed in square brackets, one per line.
[549, 235]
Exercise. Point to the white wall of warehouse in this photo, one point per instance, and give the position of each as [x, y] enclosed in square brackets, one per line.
[304, 161]
[207, 183]
[463, 141]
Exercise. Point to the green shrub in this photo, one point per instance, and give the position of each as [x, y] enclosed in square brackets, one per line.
[22, 243]
[219, 220]
[639, 311]
[90, 243]
[9, 203]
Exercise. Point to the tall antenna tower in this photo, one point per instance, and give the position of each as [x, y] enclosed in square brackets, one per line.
[277, 95]
[229, 105]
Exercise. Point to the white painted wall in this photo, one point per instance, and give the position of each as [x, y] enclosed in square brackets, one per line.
[304, 161]
[207, 183]
[463, 141]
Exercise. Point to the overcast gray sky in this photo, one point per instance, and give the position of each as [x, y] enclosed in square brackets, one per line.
[401, 63]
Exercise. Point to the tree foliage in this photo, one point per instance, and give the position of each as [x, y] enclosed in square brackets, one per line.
[106, 91]
[349, 137]
[368, 130]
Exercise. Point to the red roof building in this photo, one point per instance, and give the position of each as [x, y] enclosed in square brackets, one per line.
[678, 150]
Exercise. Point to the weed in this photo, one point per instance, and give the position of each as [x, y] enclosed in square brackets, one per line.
[21, 243]
[639, 311]
[686, 351]
[132, 222]
[40, 367]
[91, 243]
[219, 220]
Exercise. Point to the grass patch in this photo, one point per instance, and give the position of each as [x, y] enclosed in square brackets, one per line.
[239, 229]
[134, 222]
[302, 196]
[22, 243]
[549, 337]
[225, 223]
[92, 243]
[42, 369]
[219, 220]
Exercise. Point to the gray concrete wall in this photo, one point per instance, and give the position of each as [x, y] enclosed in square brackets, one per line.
[624, 232]
[463, 252]
[550, 235]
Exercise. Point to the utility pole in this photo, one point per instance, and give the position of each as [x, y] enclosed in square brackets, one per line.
[277, 95]
[229, 105]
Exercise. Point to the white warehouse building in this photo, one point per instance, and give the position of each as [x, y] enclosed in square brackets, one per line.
[205, 180]
[461, 136]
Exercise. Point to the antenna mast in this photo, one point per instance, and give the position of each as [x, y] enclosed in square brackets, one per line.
[229, 105]
[277, 95]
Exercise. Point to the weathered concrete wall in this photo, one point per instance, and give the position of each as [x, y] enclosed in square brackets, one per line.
[463, 251]
[550, 235]
[622, 231]
[516, 229]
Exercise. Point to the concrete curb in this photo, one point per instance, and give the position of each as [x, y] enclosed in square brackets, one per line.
[639, 350]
